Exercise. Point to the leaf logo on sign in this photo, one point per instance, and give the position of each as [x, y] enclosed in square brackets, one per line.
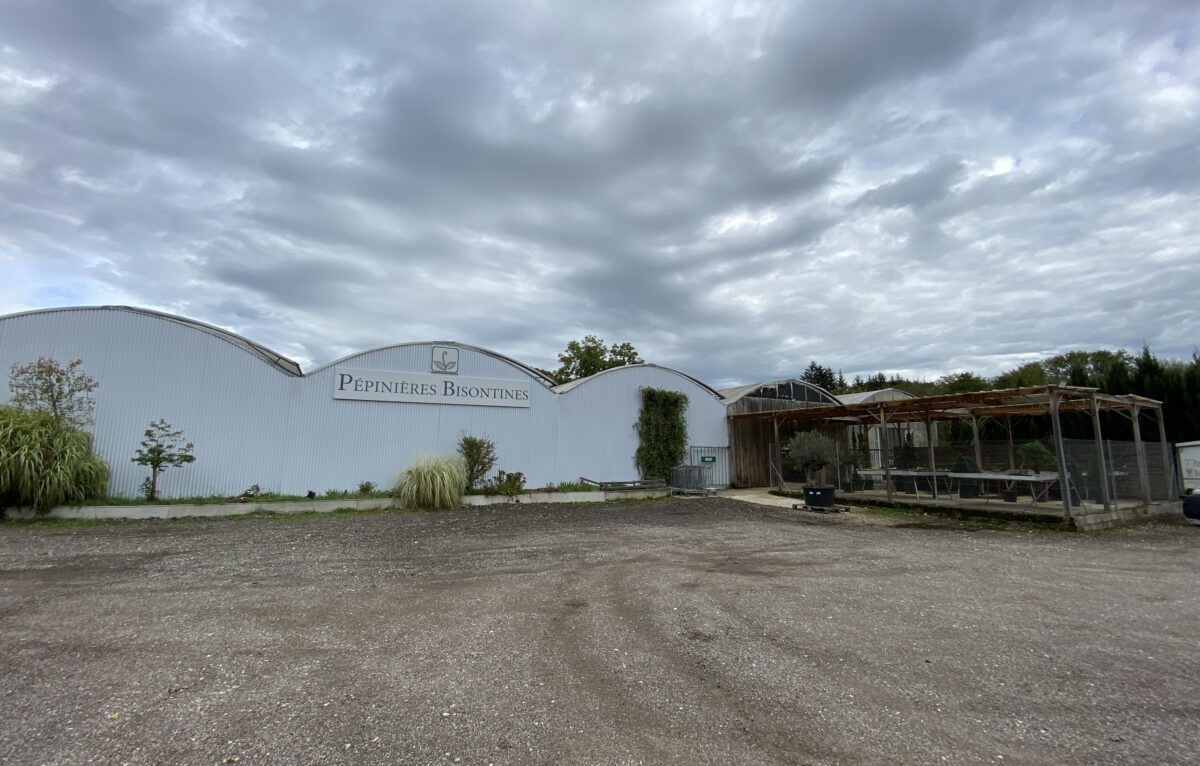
[444, 362]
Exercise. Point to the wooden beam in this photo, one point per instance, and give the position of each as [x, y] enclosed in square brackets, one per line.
[975, 441]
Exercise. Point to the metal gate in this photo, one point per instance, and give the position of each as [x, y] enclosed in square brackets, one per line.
[715, 457]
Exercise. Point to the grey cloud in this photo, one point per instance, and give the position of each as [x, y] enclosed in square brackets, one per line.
[928, 185]
[737, 193]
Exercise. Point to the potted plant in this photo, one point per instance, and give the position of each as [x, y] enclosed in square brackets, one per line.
[967, 488]
[810, 452]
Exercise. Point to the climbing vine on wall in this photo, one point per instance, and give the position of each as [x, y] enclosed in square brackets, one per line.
[662, 432]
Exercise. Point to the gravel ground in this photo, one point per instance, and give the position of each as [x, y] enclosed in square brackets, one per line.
[699, 631]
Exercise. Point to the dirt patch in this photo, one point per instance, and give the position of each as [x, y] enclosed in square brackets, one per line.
[701, 630]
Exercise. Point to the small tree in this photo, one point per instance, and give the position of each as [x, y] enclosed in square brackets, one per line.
[810, 452]
[478, 457]
[161, 449]
[60, 390]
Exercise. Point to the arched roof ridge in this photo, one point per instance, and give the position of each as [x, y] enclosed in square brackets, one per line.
[532, 372]
[572, 385]
[275, 359]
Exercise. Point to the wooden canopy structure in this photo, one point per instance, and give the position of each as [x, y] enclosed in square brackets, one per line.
[976, 406]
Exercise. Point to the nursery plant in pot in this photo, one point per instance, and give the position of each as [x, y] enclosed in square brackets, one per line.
[967, 488]
[810, 453]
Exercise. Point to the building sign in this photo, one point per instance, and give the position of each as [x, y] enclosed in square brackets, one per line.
[708, 458]
[445, 360]
[382, 386]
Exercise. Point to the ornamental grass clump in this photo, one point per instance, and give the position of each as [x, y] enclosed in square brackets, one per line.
[45, 463]
[431, 484]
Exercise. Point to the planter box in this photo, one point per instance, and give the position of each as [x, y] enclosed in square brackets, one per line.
[818, 497]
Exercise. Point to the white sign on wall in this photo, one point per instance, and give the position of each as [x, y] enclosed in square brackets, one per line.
[384, 386]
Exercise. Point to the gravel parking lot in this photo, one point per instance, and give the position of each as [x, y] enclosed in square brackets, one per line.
[687, 631]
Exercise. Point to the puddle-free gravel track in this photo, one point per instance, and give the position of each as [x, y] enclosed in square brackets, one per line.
[688, 631]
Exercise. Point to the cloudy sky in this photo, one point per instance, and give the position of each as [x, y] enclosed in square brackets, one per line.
[734, 187]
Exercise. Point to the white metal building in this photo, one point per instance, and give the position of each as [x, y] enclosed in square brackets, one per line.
[256, 418]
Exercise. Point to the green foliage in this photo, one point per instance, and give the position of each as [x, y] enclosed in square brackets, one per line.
[366, 488]
[62, 391]
[810, 451]
[433, 484]
[1174, 382]
[478, 457]
[589, 356]
[1035, 456]
[505, 483]
[964, 464]
[569, 486]
[161, 449]
[907, 456]
[662, 432]
[44, 463]
[822, 376]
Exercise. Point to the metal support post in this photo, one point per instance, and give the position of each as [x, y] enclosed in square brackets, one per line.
[1143, 474]
[837, 461]
[1103, 477]
[886, 442]
[1168, 458]
[1064, 483]
[778, 454]
[1112, 469]
[932, 457]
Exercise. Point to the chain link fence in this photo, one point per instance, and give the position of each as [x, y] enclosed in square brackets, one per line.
[1001, 469]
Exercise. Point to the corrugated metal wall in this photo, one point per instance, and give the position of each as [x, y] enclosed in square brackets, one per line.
[252, 423]
[596, 436]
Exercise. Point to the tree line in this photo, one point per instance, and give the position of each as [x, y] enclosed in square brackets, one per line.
[1174, 382]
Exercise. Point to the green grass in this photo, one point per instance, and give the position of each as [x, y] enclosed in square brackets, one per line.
[265, 497]
[573, 486]
[943, 518]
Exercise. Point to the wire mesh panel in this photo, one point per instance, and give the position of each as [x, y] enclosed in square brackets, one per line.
[691, 478]
[1025, 470]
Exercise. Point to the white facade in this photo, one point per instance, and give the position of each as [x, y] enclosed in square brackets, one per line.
[255, 419]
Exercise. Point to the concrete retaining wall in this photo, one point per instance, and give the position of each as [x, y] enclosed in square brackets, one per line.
[183, 511]
[1090, 522]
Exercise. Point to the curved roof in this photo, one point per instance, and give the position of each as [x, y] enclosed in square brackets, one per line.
[731, 395]
[878, 395]
[565, 387]
[262, 352]
[534, 373]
